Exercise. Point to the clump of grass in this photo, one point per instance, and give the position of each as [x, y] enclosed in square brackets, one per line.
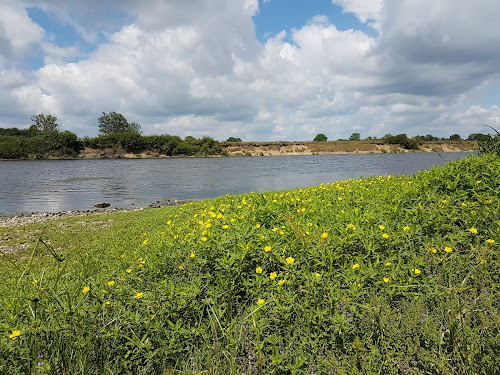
[489, 144]
[381, 275]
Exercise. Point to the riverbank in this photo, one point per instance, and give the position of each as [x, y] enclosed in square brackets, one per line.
[378, 275]
[292, 148]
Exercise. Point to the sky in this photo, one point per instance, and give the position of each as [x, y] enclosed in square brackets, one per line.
[259, 70]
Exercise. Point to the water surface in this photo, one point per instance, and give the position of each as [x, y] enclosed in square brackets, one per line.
[67, 185]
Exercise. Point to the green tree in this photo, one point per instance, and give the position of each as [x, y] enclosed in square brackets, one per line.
[232, 139]
[320, 138]
[116, 123]
[355, 137]
[45, 122]
[455, 137]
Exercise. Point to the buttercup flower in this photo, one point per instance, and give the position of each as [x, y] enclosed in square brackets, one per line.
[473, 230]
[385, 235]
[86, 289]
[490, 241]
[416, 271]
[381, 227]
[204, 239]
[318, 275]
[281, 282]
[260, 301]
[111, 283]
[433, 250]
[324, 235]
[267, 249]
[290, 260]
[15, 334]
[192, 255]
[273, 275]
[258, 270]
[448, 249]
[138, 295]
[406, 228]
[355, 266]
[386, 280]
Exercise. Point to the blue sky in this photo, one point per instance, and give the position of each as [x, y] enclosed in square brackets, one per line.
[273, 70]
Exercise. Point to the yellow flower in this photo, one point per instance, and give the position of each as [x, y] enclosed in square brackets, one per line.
[111, 283]
[388, 264]
[490, 241]
[433, 250]
[273, 275]
[129, 270]
[448, 249]
[257, 226]
[260, 301]
[122, 256]
[385, 235]
[473, 230]
[144, 243]
[138, 295]
[181, 267]
[386, 280]
[259, 270]
[267, 249]
[381, 227]
[281, 282]
[225, 226]
[355, 266]
[290, 260]
[15, 334]
[406, 228]
[324, 235]
[86, 289]
[318, 275]
[416, 271]
[351, 226]
[204, 239]
[192, 255]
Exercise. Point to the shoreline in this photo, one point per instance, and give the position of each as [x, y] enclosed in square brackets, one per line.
[36, 217]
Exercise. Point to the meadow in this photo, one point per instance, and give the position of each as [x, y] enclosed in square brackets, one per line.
[380, 275]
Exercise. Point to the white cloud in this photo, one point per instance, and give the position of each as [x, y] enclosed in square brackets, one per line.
[196, 68]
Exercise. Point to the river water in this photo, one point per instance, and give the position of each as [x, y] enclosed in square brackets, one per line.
[67, 185]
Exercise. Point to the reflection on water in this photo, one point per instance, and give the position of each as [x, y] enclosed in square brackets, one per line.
[64, 185]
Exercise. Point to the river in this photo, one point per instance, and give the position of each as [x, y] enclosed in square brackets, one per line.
[67, 185]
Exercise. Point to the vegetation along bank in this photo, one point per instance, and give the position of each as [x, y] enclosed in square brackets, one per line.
[383, 275]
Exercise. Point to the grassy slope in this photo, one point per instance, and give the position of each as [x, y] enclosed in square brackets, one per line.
[382, 275]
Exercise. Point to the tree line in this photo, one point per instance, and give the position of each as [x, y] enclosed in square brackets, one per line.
[43, 139]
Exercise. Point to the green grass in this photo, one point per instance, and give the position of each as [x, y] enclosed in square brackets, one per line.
[384, 275]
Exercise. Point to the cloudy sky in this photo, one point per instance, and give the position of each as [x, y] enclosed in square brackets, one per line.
[254, 69]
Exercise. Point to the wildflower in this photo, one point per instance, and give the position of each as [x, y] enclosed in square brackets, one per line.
[86, 289]
[490, 241]
[144, 243]
[122, 256]
[34, 282]
[192, 255]
[15, 334]
[111, 283]
[381, 227]
[388, 264]
[273, 275]
[386, 280]
[355, 266]
[181, 267]
[290, 260]
[448, 249]
[259, 270]
[107, 303]
[385, 235]
[483, 261]
[204, 239]
[138, 295]
[433, 250]
[416, 271]
[257, 226]
[324, 235]
[281, 282]
[406, 228]
[267, 249]
[317, 275]
[129, 270]
[351, 226]
[473, 230]
[260, 301]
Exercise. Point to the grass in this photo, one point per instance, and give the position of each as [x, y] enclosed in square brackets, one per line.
[383, 275]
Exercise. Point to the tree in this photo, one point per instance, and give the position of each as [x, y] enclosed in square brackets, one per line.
[45, 122]
[232, 139]
[116, 123]
[355, 137]
[455, 137]
[320, 138]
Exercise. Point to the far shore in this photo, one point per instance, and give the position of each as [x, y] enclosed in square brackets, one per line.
[293, 148]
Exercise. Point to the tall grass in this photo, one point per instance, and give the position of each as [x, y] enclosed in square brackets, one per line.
[383, 275]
